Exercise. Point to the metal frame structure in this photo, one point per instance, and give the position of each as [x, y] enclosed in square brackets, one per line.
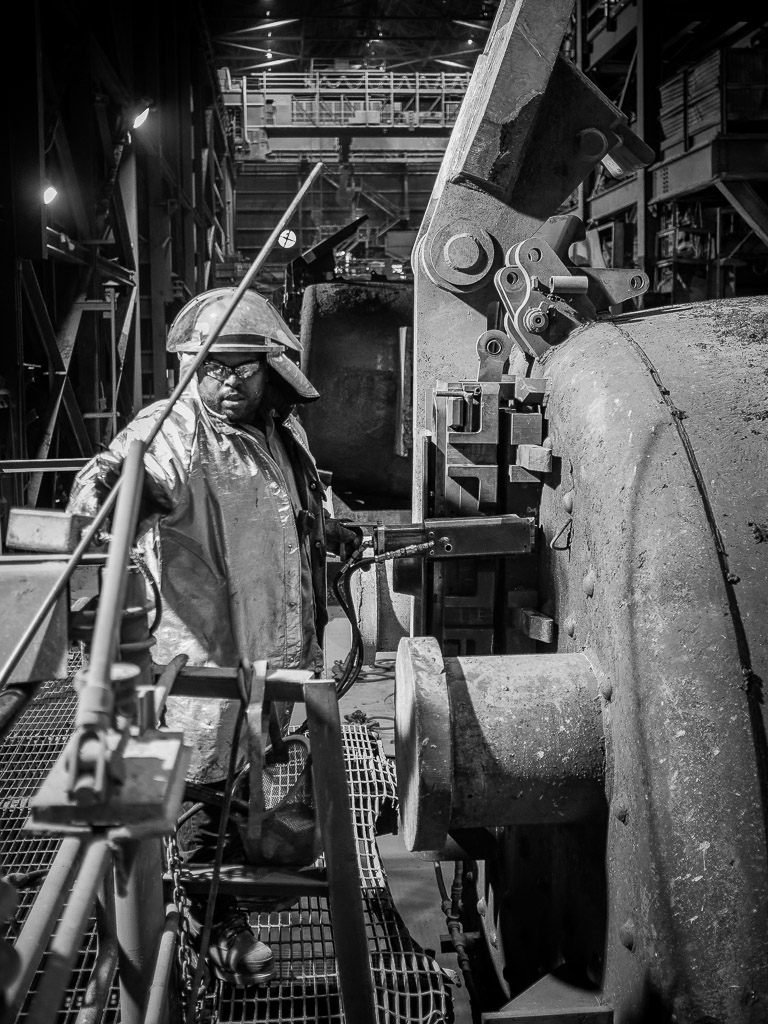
[140, 219]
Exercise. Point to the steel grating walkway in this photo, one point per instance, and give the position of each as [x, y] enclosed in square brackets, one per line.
[410, 986]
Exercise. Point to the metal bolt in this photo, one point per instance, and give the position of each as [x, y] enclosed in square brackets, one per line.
[627, 934]
[568, 502]
[535, 321]
[494, 347]
[636, 282]
[534, 255]
[588, 583]
[462, 251]
[570, 626]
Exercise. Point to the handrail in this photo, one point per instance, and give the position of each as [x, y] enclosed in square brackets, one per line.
[66, 942]
[96, 701]
[36, 931]
[42, 465]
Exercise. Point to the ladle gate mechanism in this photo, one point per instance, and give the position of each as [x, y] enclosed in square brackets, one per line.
[582, 686]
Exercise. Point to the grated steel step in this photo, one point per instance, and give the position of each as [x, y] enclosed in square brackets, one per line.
[409, 985]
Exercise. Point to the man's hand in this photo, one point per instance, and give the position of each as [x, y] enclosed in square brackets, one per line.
[342, 538]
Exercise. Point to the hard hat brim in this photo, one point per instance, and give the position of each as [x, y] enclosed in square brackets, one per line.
[290, 373]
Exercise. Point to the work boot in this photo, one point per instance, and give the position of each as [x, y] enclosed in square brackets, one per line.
[237, 956]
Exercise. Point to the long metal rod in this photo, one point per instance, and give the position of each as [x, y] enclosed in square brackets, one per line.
[89, 559]
[241, 289]
[103, 973]
[184, 380]
[158, 989]
[59, 586]
[42, 465]
[35, 934]
[97, 699]
[65, 946]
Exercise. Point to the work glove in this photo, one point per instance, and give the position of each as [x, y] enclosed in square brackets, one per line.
[342, 538]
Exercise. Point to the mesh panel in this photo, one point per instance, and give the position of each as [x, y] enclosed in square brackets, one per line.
[409, 985]
[26, 757]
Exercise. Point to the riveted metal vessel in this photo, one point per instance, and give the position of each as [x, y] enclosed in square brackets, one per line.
[653, 564]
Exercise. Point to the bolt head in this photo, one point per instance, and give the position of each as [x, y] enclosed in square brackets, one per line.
[462, 252]
[536, 321]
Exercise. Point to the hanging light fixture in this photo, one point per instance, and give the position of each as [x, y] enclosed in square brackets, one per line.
[143, 108]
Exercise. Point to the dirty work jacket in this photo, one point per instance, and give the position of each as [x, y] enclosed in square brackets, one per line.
[226, 551]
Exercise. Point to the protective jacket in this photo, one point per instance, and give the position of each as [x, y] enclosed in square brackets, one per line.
[229, 550]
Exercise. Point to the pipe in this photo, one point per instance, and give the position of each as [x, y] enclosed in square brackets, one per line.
[96, 702]
[35, 934]
[65, 946]
[103, 973]
[14, 701]
[158, 989]
[140, 919]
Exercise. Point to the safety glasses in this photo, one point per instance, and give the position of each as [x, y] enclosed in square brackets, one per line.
[221, 372]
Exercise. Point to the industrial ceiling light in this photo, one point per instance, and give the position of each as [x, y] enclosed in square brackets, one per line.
[143, 108]
[49, 192]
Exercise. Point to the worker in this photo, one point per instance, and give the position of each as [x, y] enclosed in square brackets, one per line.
[232, 525]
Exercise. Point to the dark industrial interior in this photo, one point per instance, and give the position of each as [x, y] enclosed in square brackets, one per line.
[523, 248]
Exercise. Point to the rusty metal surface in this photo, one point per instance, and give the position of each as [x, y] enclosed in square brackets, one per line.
[526, 740]
[531, 128]
[46, 655]
[640, 588]
[493, 741]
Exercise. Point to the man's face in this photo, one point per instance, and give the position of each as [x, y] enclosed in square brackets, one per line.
[228, 394]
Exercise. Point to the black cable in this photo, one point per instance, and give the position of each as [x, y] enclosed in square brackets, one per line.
[451, 907]
[139, 561]
[342, 590]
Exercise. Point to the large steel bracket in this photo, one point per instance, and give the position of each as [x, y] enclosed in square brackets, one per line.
[546, 296]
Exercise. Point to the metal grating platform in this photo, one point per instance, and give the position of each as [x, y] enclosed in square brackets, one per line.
[410, 986]
[26, 757]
